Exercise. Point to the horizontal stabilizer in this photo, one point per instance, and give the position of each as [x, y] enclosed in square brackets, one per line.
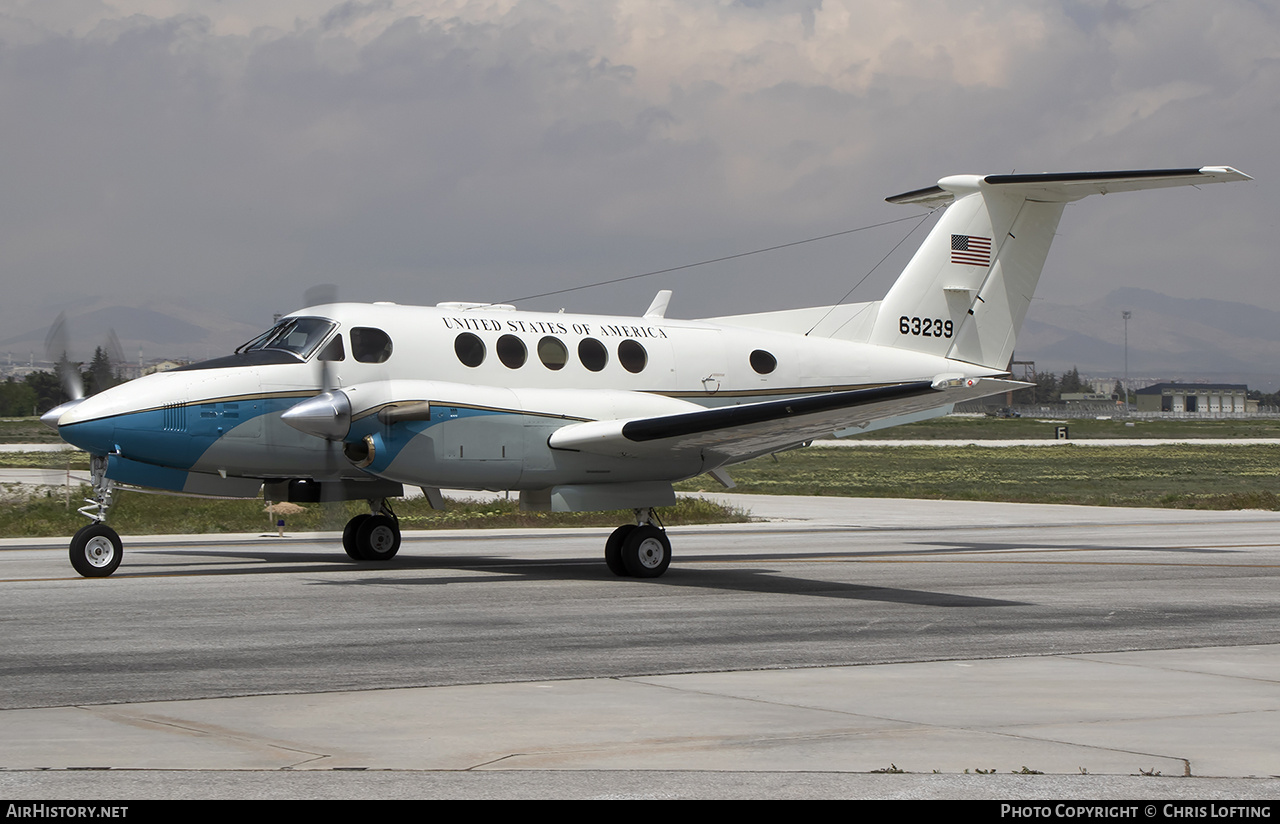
[1062, 187]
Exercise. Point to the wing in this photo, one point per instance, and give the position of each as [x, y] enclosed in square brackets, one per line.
[730, 434]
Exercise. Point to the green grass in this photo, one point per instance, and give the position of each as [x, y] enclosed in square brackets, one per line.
[26, 430]
[45, 460]
[1191, 476]
[1197, 476]
[984, 428]
[141, 514]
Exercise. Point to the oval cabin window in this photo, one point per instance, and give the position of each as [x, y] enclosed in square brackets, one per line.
[553, 353]
[593, 354]
[469, 349]
[763, 362]
[511, 351]
[632, 356]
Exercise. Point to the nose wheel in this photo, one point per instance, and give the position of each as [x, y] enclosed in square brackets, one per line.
[96, 551]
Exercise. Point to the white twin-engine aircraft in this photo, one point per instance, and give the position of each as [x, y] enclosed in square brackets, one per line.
[581, 412]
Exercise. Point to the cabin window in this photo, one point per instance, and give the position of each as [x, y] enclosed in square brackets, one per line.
[333, 351]
[592, 354]
[370, 345]
[553, 353]
[632, 356]
[763, 362]
[511, 351]
[469, 349]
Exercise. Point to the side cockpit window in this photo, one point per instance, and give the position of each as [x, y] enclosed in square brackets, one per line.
[333, 351]
[370, 345]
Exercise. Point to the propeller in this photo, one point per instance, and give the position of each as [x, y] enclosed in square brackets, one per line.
[115, 353]
[55, 348]
[331, 405]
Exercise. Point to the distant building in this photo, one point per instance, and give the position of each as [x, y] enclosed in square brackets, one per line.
[163, 366]
[1079, 398]
[1196, 399]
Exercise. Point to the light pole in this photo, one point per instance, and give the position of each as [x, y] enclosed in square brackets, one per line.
[1126, 314]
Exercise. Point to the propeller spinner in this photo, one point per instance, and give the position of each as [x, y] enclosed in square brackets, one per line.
[327, 415]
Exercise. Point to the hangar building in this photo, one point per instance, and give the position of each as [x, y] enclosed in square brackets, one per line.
[1196, 398]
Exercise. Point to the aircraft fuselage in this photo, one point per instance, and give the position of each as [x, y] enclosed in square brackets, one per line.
[497, 384]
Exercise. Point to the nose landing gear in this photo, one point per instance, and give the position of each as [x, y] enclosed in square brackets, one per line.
[96, 550]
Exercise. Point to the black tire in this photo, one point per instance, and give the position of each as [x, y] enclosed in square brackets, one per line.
[378, 538]
[613, 550]
[349, 536]
[96, 551]
[646, 552]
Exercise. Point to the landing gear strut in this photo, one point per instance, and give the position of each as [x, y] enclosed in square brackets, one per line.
[639, 550]
[96, 550]
[374, 536]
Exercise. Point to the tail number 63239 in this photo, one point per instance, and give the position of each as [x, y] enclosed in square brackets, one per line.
[925, 327]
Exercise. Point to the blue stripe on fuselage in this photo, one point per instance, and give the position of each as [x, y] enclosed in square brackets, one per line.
[390, 440]
[173, 437]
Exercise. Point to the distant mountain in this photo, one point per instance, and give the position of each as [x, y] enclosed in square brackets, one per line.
[160, 331]
[1169, 339]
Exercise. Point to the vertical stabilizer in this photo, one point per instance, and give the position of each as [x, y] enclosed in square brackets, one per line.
[966, 291]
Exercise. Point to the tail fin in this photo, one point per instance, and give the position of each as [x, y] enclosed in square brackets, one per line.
[965, 293]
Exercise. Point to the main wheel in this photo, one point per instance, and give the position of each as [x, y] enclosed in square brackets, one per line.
[349, 536]
[96, 551]
[378, 538]
[613, 550]
[646, 552]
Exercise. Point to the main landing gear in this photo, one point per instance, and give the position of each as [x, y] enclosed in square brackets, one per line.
[375, 536]
[96, 550]
[639, 550]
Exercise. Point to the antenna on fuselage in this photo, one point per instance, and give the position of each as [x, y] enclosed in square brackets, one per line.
[658, 309]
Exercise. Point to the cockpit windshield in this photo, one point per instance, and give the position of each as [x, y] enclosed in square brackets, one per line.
[300, 336]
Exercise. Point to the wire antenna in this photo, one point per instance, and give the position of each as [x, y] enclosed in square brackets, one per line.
[706, 262]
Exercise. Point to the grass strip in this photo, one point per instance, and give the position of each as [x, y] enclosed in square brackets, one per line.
[1190, 476]
[1185, 476]
[47, 515]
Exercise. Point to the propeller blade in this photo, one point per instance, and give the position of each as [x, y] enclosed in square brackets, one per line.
[320, 294]
[328, 415]
[55, 348]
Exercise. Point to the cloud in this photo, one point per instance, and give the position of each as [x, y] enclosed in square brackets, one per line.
[236, 153]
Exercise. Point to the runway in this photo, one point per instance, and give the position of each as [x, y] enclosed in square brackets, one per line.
[840, 637]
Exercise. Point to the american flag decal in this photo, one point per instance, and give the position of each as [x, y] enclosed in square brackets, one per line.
[971, 250]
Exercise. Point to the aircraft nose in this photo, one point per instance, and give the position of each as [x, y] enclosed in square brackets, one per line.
[51, 418]
[327, 415]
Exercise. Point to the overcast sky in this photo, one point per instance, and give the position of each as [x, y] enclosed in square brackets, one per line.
[228, 155]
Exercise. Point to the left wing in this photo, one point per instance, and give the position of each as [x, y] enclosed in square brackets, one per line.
[734, 433]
